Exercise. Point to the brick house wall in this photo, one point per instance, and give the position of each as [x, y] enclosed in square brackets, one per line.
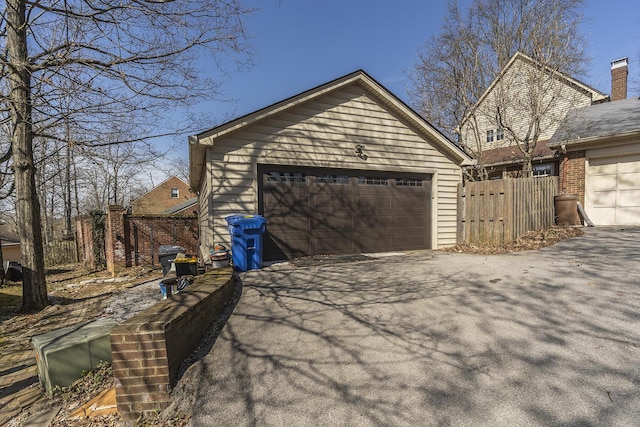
[159, 199]
[132, 240]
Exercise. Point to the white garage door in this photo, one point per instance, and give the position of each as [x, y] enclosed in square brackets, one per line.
[613, 190]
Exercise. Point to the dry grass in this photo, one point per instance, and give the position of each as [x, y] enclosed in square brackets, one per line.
[531, 241]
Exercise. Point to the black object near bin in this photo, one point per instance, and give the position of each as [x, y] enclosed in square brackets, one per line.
[246, 240]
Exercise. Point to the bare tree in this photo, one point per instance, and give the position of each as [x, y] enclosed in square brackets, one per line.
[117, 62]
[455, 68]
[113, 173]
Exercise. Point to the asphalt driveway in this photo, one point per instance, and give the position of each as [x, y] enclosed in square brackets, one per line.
[550, 337]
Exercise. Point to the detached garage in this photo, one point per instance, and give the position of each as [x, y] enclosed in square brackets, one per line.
[601, 146]
[345, 167]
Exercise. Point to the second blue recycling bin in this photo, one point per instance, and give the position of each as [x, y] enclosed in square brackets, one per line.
[246, 240]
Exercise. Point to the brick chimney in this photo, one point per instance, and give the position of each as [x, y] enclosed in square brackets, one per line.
[619, 72]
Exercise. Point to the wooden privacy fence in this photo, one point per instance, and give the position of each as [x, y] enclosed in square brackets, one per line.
[499, 211]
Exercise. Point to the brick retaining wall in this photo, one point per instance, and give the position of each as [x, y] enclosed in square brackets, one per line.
[147, 349]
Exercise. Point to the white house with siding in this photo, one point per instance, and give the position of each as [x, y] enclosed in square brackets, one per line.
[533, 100]
[345, 167]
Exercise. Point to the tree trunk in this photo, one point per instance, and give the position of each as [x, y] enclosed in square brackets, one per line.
[527, 167]
[3, 277]
[34, 287]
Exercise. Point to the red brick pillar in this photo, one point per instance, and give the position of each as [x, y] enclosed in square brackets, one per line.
[114, 239]
[573, 175]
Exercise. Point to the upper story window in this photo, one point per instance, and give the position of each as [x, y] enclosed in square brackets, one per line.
[490, 135]
[499, 134]
[175, 193]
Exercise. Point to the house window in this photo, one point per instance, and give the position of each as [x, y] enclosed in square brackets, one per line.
[290, 177]
[372, 180]
[499, 134]
[408, 182]
[543, 169]
[175, 193]
[332, 179]
[490, 135]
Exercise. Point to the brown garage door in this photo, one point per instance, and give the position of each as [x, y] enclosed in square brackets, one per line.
[338, 211]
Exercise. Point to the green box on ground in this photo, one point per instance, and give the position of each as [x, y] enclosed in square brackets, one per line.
[64, 354]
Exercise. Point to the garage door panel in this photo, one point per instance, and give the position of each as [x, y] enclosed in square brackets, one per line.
[411, 221]
[286, 198]
[373, 200]
[605, 183]
[289, 222]
[292, 245]
[628, 181]
[372, 222]
[332, 222]
[334, 245]
[629, 164]
[604, 199]
[409, 240]
[364, 242]
[606, 166]
[627, 215]
[409, 198]
[628, 198]
[333, 200]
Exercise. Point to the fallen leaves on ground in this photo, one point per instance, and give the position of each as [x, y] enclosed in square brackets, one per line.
[531, 241]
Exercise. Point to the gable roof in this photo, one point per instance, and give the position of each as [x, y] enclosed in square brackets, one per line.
[617, 119]
[197, 143]
[182, 206]
[519, 56]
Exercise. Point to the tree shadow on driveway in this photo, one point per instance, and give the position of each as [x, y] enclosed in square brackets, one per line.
[536, 338]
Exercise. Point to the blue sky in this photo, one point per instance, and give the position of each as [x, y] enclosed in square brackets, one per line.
[300, 44]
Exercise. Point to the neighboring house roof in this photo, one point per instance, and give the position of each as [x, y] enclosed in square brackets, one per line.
[597, 96]
[513, 155]
[618, 119]
[158, 185]
[9, 236]
[197, 149]
[182, 206]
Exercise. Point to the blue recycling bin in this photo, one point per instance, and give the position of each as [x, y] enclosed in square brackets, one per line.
[246, 240]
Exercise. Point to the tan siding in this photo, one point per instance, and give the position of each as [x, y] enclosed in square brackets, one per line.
[559, 96]
[323, 133]
[204, 211]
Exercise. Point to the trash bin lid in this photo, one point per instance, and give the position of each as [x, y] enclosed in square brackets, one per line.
[171, 250]
[246, 220]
